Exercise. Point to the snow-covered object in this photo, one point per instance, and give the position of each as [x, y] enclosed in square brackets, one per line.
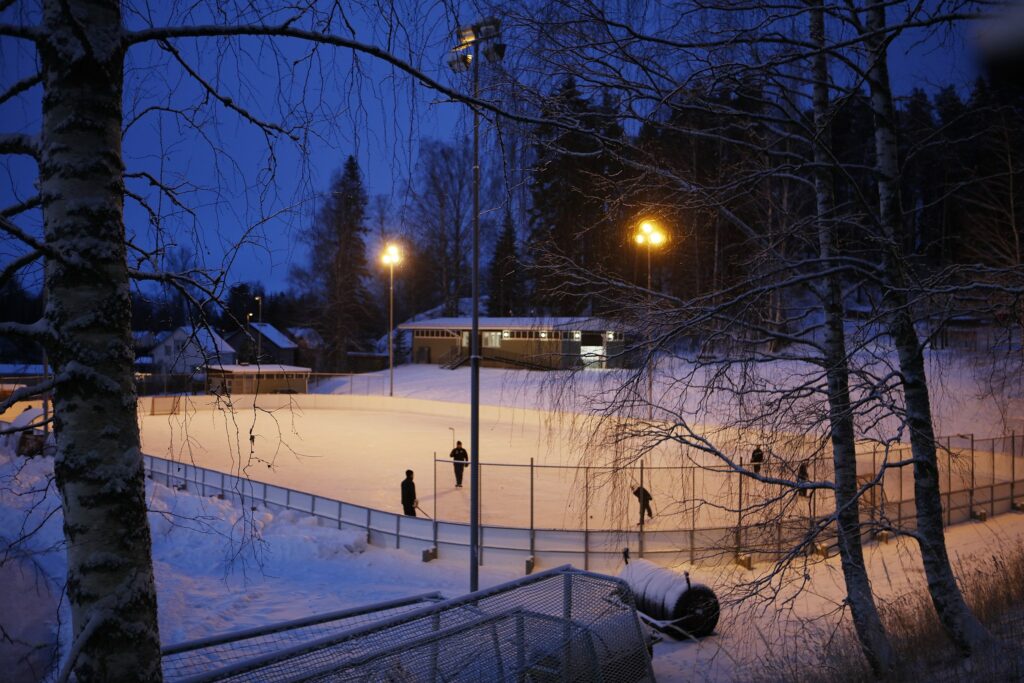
[690, 609]
[274, 335]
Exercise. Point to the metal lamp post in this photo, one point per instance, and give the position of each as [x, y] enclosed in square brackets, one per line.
[464, 56]
[649, 234]
[259, 333]
[391, 257]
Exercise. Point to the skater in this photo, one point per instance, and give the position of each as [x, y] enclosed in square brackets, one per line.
[801, 478]
[409, 501]
[460, 456]
[644, 496]
[756, 458]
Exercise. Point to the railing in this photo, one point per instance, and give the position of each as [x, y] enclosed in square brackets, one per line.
[727, 518]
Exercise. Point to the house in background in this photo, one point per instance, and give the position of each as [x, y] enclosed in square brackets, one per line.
[311, 347]
[188, 348]
[263, 343]
[271, 378]
[532, 343]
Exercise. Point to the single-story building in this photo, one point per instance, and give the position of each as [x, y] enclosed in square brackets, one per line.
[253, 379]
[533, 343]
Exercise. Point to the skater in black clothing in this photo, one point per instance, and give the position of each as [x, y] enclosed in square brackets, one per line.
[409, 495]
[756, 458]
[801, 478]
[460, 456]
[644, 496]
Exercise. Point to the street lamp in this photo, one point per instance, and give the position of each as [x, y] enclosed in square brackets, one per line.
[259, 332]
[464, 55]
[391, 257]
[649, 234]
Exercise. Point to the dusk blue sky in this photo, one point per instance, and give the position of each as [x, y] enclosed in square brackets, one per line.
[375, 113]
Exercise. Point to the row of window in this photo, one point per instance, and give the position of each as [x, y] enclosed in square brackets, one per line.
[490, 338]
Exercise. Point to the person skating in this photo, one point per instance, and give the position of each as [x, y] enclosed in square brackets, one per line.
[460, 456]
[756, 458]
[801, 478]
[645, 498]
[409, 501]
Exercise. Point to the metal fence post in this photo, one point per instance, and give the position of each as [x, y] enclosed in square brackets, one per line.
[970, 507]
[992, 488]
[640, 499]
[1013, 465]
[949, 483]
[435, 503]
[586, 518]
[398, 531]
[693, 514]
[533, 532]
[899, 501]
[739, 515]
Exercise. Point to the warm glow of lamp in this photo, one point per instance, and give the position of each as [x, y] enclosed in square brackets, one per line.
[391, 256]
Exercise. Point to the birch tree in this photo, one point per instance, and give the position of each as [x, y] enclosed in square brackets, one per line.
[75, 78]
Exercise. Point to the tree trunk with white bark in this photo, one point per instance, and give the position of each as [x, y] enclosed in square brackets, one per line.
[99, 466]
[960, 623]
[866, 620]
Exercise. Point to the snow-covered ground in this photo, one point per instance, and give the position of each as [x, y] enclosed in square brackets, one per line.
[212, 578]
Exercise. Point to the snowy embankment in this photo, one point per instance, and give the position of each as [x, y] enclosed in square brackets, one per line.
[219, 567]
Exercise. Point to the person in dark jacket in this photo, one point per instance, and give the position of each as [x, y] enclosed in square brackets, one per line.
[756, 458]
[460, 456]
[645, 498]
[801, 478]
[409, 494]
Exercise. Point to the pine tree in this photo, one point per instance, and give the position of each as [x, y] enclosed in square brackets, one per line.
[506, 290]
[338, 270]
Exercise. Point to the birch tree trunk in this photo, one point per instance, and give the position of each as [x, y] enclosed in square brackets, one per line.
[960, 623]
[873, 638]
[99, 467]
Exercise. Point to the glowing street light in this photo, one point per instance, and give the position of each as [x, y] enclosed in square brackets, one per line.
[390, 258]
[649, 234]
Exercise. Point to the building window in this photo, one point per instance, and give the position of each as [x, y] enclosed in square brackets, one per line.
[491, 340]
[505, 334]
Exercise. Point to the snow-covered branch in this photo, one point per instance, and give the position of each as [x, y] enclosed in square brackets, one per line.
[19, 143]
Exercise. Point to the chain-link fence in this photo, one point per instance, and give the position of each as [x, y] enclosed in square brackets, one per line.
[559, 625]
[546, 514]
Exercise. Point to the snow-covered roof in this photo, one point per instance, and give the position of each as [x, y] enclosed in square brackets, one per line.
[208, 340]
[20, 369]
[274, 335]
[254, 369]
[518, 323]
[310, 337]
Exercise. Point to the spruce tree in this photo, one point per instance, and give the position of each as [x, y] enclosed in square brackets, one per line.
[338, 269]
[506, 290]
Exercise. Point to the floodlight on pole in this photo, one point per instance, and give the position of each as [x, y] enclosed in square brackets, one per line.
[649, 234]
[259, 333]
[390, 258]
[465, 55]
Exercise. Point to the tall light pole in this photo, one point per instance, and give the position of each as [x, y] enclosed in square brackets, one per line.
[464, 56]
[391, 257]
[649, 234]
[259, 333]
